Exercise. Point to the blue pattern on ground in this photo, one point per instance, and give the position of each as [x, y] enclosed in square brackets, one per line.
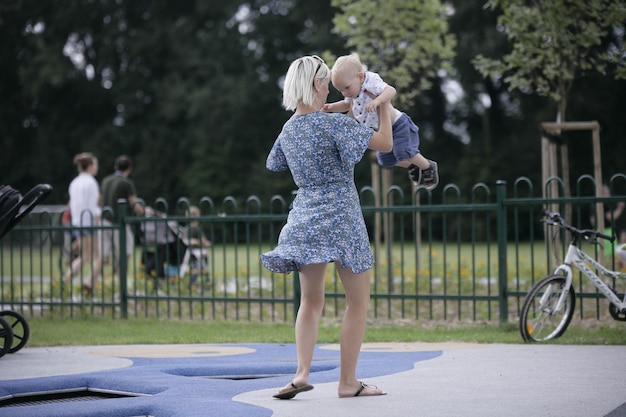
[189, 387]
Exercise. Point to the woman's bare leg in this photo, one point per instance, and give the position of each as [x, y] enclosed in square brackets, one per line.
[96, 260]
[86, 256]
[77, 263]
[357, 288]
[312, 278]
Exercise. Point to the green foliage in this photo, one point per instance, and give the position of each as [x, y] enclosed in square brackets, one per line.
[188, 89]
[553, 42]
[408, 42]
[191, 90]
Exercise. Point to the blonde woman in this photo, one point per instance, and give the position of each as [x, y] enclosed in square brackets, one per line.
[325, 223]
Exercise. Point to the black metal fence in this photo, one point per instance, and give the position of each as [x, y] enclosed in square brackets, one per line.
[466, 257]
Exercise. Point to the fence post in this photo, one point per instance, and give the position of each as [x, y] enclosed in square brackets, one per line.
[502, 257]
[123, 264]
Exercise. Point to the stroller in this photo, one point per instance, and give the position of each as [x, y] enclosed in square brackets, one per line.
[168, 242]
[157, 239]
[14, 330]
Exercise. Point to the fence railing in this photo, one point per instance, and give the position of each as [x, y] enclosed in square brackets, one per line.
[468, 257]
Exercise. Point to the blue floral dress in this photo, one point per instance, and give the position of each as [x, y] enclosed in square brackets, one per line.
[325, 223]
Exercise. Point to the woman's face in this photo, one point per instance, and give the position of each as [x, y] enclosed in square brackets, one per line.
[321, 91]
[324, 90]
[93, 168]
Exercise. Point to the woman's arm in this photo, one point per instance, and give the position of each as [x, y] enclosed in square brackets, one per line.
[382, 140]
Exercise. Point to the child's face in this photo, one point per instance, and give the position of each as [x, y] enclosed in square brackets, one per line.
[349, 83]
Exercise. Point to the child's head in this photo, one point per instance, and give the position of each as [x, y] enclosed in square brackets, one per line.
[193, 211]
[348, 75]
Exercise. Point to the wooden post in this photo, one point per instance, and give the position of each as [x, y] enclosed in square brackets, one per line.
[418, 229]
[549, 167]
[388, 225]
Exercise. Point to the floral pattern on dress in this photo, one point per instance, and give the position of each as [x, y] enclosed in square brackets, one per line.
[325, 223]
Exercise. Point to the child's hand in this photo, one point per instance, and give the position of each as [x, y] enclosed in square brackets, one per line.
[372, 106]
[326, 108]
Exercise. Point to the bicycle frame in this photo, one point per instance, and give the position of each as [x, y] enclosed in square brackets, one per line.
[576, 257]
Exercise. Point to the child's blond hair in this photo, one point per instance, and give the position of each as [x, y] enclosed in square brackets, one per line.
[348, 64]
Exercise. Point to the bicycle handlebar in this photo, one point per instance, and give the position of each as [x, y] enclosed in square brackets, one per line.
[554, 218]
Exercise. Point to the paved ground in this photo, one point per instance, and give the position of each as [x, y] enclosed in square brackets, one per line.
[238, 380]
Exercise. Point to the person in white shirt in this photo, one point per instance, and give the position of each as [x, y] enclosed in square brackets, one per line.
[85, 213]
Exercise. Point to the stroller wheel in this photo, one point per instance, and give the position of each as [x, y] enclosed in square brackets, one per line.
[19, 327]
[6, 337]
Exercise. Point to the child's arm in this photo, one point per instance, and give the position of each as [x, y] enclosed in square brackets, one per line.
[336, 107]
[385, 97]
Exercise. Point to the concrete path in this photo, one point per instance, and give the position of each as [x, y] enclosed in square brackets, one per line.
[420, 379]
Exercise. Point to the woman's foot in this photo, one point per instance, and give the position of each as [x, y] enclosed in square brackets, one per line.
[363, 390]
[291, 390]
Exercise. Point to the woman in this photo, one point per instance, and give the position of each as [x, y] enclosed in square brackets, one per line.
[85, 214]
[326, 223]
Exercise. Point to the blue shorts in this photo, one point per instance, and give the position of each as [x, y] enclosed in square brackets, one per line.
[406, 142]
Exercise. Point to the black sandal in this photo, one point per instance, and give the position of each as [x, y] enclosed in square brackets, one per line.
[287, 395]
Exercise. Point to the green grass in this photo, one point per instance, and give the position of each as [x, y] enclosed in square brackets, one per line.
[99, 331]
[461, 265]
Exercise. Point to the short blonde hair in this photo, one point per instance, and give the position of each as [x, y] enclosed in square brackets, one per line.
[348, 65]
[298, 88]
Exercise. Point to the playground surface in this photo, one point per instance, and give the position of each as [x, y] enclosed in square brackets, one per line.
[421, 379]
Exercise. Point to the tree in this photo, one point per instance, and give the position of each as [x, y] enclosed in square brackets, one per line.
[553, 42]
[408, 43]
[189, 89]
[406, 40]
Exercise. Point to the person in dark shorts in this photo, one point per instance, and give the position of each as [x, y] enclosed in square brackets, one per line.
[364, 92]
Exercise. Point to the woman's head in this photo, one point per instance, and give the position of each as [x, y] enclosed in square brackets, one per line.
[348, 75]
[86, 162]
[303, 78]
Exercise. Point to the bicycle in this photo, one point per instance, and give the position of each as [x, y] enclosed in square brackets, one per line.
[549, 305]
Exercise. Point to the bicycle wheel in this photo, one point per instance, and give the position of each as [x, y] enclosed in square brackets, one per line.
[6, 337]
[539, 319]
[20, 328]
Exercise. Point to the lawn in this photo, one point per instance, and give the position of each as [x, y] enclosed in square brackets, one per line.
[99, 331]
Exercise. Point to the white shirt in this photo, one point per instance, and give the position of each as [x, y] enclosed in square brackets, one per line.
[84, 194]
[375, 85]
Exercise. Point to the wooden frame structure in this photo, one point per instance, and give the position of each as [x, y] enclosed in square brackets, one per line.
[549, 162]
